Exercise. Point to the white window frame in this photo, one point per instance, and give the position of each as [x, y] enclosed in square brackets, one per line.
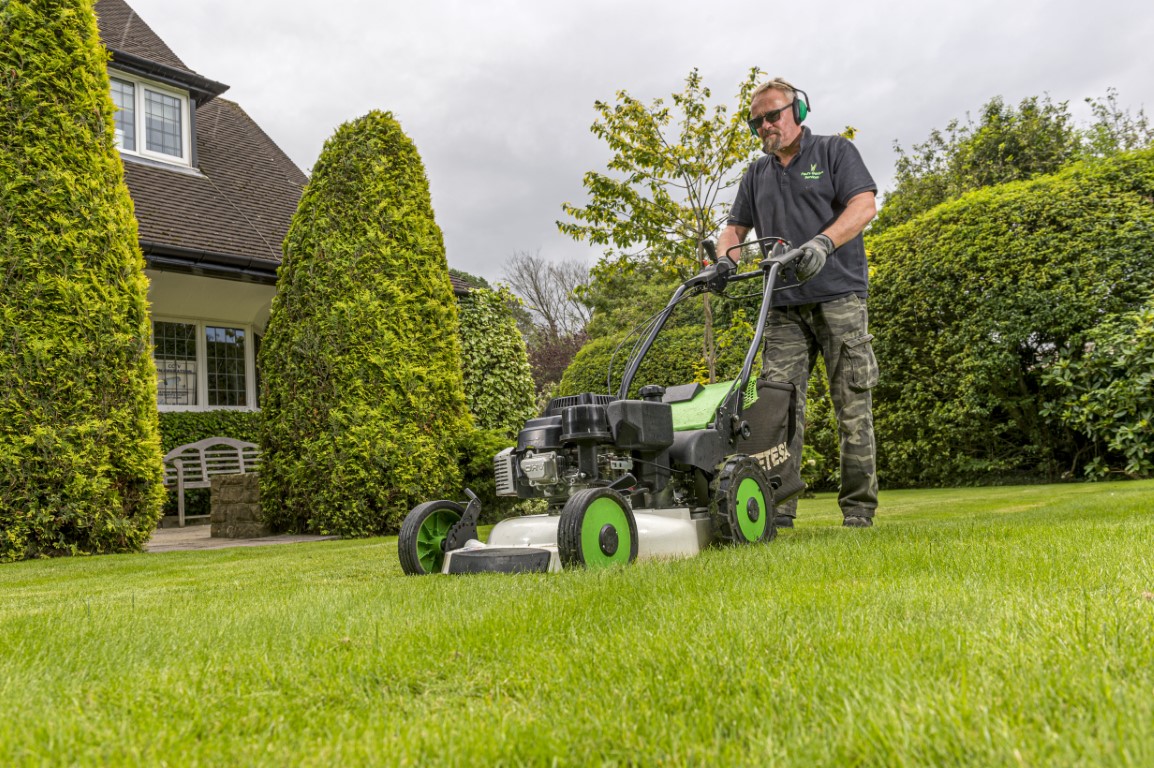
[202, 363]
[139, 85]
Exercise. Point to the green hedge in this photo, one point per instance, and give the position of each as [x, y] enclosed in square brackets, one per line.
[971, 302]
[675, 358]
[1106, 394]
[495, 365]
[80, 468]
[363, 406]
[179, 428]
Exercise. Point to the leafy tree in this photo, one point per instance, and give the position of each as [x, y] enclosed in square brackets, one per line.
[1114, 129]
[497, 378]
[662, 193]
[550, 358]
[363, 404]
[972, 302]
[1007, 144]
[80, 462]
[1104, 385]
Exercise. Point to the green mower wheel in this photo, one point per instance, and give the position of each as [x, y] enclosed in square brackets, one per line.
[741, 502]
[422, 539]
[596, 529]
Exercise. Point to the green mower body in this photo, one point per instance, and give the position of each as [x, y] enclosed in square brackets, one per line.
[663, 474]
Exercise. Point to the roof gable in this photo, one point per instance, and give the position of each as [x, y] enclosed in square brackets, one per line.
[238, 206]
[122, 30]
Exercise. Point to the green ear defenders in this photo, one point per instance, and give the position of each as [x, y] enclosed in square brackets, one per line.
[799, 106]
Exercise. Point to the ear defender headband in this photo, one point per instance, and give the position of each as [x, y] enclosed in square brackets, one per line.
[799, 106]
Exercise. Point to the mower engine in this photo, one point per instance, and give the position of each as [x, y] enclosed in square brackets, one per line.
[590, 440]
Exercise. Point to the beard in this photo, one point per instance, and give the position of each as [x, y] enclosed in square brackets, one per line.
[771, 142]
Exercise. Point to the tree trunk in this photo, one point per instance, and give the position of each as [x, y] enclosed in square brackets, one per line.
[709, 349]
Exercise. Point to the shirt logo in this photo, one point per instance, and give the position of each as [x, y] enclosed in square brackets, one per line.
[813, 174]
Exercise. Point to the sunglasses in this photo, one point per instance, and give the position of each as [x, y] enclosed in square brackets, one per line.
[772, 116]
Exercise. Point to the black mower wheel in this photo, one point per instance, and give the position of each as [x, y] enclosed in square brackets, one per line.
[741, 502]
[596, 529]
[421, 544]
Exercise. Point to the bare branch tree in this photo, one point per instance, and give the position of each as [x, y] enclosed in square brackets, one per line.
[549, 290]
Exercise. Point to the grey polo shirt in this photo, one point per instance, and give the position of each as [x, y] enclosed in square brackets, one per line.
[798, 201]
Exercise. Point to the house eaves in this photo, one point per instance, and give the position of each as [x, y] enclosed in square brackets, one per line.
[200, 88]
[169, 258]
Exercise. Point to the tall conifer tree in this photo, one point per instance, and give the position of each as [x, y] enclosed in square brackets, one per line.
[363, 405]
[80, 464]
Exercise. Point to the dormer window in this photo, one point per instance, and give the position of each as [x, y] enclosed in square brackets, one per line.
[151, 119]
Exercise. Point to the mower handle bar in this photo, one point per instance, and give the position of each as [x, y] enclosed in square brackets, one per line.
[715, 278]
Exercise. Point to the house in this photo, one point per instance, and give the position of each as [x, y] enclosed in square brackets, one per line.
[214, 196]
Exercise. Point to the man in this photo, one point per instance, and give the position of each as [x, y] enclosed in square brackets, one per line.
[815, 192]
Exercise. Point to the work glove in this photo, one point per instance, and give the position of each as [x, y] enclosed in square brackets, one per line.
[813, 257]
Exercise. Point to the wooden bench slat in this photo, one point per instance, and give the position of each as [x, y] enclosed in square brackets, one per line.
[194, 465]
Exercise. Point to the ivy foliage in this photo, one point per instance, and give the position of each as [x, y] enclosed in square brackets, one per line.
[971, 302]
[363, 404]
[495, 365]
[80, 468]
[1105, 392]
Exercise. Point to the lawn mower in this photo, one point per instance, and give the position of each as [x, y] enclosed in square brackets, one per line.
[666, 474]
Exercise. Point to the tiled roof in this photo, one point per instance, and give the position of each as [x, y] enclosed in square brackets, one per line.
[236, 206]
[122, 30]
[240, 204]
[460, 287]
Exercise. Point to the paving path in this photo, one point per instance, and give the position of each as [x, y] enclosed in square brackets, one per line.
[200, 537]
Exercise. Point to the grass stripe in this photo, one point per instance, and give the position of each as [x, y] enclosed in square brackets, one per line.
[993, 626]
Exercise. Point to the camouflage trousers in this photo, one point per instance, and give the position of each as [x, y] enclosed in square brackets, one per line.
[838, 329]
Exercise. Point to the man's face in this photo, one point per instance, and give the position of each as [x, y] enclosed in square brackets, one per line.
[785, 130]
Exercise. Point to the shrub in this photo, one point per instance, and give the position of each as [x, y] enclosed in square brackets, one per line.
[363, 405]
[478, 447]
[675, 358]
[1106, 393]
[179, 428]
[497, 379]
[971, 302]
[80, 469]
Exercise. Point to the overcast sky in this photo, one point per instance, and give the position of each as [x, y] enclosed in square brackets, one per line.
[498, 94]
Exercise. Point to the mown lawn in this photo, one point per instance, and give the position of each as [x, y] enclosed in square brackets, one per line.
[1005, 626]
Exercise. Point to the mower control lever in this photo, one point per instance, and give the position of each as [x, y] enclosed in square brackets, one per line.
[624, 482]
[782, 258]
[714, 277]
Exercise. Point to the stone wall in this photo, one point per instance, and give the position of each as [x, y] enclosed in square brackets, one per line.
[236, 507]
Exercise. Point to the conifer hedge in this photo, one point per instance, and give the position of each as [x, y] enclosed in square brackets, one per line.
[80, 462]
[972, 302]
[363, 406]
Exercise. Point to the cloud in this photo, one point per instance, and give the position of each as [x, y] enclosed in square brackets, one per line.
[498, 96]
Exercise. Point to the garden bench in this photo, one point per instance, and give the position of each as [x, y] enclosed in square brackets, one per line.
[194, 465]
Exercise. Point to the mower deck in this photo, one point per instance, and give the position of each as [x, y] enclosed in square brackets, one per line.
[514, 544]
